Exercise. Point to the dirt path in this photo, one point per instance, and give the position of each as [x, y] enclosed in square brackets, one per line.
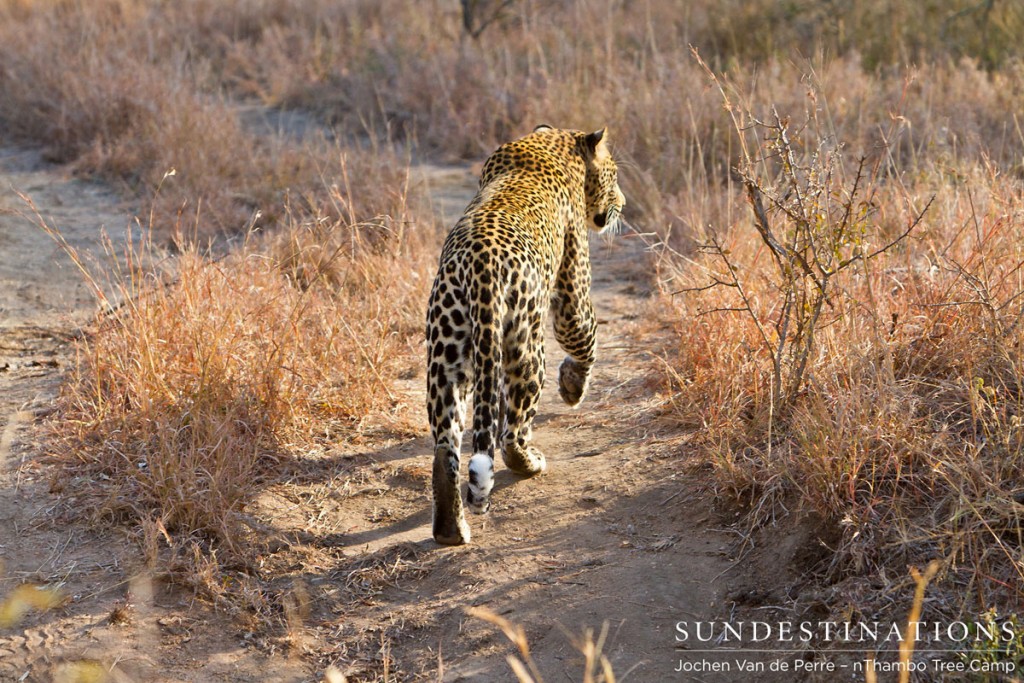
[43, 299]
[613, 533]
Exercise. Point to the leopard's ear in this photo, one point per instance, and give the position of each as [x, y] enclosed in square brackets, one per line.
[597, 143]
[541, 127]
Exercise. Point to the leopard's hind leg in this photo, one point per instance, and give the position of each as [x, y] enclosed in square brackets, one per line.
[450, 526]
[448, 390]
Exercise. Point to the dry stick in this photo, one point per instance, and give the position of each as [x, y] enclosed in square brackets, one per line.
[783, 258]
[848, 213]
[786, 256]
[798, 217]
[777, 250]
[894, 242]
[907, 646]
[762, 225]
[789, 162]
[728, 103]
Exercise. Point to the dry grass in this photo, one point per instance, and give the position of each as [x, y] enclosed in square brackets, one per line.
[118, 89]
[208, 369]
[596, 667]
[631, 70]
[191, 390]
[129, 88]
[76, 80]
[905, 431]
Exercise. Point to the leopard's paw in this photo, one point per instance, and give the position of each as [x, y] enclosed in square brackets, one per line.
[573, 381]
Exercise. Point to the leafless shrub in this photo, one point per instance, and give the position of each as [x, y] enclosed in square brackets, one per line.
[858, 352]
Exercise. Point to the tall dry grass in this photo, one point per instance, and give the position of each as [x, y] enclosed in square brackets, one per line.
[630, 67]
[905, 431]
[120, 90]
[130, 88]
[204, 374]
[209, 369]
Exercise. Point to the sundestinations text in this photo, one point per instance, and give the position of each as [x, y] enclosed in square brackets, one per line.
[841, 632]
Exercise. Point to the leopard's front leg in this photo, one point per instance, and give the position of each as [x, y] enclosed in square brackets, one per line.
[575, 329]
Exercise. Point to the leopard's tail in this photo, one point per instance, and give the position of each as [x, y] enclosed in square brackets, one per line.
[487, 311]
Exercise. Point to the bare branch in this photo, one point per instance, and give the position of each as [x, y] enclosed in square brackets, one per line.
[761, 222]
[780, 252]
[733, 271]
[725, 309]
[711, 285]
[890, 245]
[848, 213]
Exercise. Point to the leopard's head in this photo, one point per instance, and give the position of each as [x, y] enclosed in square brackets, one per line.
[605, 200]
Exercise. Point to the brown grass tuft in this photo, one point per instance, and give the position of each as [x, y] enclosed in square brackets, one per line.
[189, 393]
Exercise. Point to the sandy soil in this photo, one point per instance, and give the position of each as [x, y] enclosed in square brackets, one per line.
[617, 531]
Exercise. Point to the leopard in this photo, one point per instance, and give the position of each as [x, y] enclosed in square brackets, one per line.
[520, 251]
